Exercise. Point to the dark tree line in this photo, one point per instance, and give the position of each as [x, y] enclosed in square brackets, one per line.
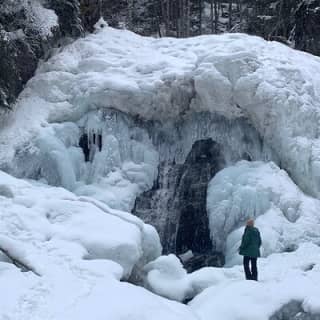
[288, 21]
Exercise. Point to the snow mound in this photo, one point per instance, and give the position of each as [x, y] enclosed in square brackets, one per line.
[66, 254]
[224, 292]
[166, 277]
[284, 215]
[276, 88]
[283, 277]
[44, 227]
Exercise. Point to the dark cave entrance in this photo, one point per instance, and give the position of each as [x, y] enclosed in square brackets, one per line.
[176, 205]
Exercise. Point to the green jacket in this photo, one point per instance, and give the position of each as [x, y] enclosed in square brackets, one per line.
[251, 242]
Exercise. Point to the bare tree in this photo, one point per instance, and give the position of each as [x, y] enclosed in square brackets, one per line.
[200, 15]
[216, 16]
[230, 15]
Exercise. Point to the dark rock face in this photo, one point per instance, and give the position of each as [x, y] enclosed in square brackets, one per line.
[294, 311]
[68, 12]
[89, 13]
[307, 33]
[202, 163]
[185, 191]
[17, 64]
[198, 261]
[23, 44]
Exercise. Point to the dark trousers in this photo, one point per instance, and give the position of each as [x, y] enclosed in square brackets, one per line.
[251, 273]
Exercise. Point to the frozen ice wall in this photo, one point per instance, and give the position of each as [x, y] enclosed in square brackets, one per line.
[124, 152]
[284, 215]
[275, 88]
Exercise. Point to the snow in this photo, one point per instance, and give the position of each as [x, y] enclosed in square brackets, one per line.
[41, 223]
[77, 249]
[39, 18]
[158, 79]
[70, 228]
[284, 278]
[235, 76]
[45, 20]
[284, 214]
[223, 292]
[166, 277]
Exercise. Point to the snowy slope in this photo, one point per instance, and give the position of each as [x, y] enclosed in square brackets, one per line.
[78, 249]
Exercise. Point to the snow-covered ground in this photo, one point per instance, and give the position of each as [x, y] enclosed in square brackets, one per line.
[222, 293]
[78, 249]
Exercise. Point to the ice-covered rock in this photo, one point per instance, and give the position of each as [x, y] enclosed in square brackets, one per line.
[166, 277]
[284, 214]
[272, 86]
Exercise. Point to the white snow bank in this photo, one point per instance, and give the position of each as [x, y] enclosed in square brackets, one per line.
[87, 291]
[275, 87]
[46, 227]
[283, 277]
[285, 216]
[166, 276]
[223, 292]
[76, 250]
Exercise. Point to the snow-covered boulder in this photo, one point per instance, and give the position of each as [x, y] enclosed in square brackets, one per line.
[167, 277]
[284, 215]
[47, 227]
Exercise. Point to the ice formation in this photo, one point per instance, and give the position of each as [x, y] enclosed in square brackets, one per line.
[274, 87]
[100, 117]
[285, 216]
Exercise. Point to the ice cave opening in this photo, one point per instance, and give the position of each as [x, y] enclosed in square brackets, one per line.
[186, 226]
[157, 170]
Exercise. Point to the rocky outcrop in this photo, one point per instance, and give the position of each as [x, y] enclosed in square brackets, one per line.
[28, 30]
[24, 37]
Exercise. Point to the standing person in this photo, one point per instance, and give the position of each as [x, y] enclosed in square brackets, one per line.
[250, 250]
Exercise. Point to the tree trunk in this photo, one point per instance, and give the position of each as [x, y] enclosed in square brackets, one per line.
[216, 16]
[230, 15]
[200, 16]
[211, 16]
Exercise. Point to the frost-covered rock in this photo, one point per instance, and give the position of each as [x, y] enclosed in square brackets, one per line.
[27, 29]
[166, 277]
[284, 215]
